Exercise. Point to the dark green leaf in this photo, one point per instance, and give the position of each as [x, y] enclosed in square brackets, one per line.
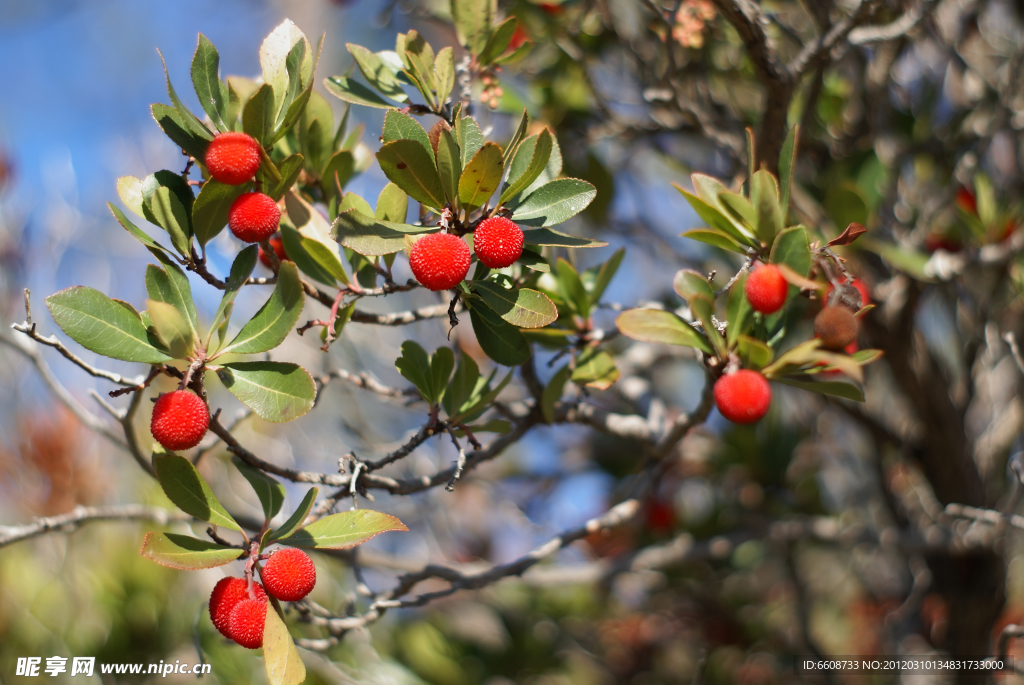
[739, 313]
[269, 490]
[171, 286]
[716, 218]
[392, 204]
[272, 323]
[399, 126]
[551, 171]
[343, 530]
[170, 122]
[367, 236]
[167, 212]
[184, 486]
[297, 518]
[377, 73]
[449, 166]
[547, 236]
[497, 44]
[691, 285]
[463, 384]
[605, 275]
[289, 168]
[99, 324]
[596, 369]
[354, 92]
[258, 115]
[185, 552]
[481, 177]
[714, 237]
[210, 211]
[473, 20]
[411, 166]
[754, 353]
[414, 365]
[555, 202]
[191, 122]
[441, 365]
[571, 288]
[209, 89]
[339, 171]
[241, 269]
[657, 326]
[276, 391]
[764, 196]
[553, 392]
[529, 161]
[792, 249]
[521, 307]
[469, 137]
[314, 238]
[501, 341]
[787, 161]
[847, 391]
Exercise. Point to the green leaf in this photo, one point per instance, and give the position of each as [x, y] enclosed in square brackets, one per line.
[551, 171]
[985, 200]
[269, 490]
[184, 486]
[392, 204]
[171, 123]
[836, 388]
[191, 122]
[703, 309]
[473, 20]
[469, 137]
[764, 196]
[739, 313]
[449, 166]
[168, 213]
[547, 236]
[739, 209]
[529, 161]
[441, 365]
[596, 369]
[517, 137]
[444, 74]
[714, 237]
[481, 176]
[278, 54]
[520, 307]
[905, 259]
[129, 189]
[715, 218]
[289, 168]
[352, 91]
[280, 656]
[171, 286]
[295, 105]
[210, 211]
[377, 73]
[272, 323]
[497, 44]
[691, 285]
[209, 89]
[371, 237]
[533, 261]
[553, 392]
[500, 340]
[791, 248]
[414, 365]
[516, 55]
[241, 269]
[754, 353]
[171, 328]
[657, 326]
[258, 115]
[787, 162]
[605, 275]
[136, 232]
[99, 324]
[464, 384]
[344, 530]
[297, 518]
[276, 391]
[399, 126]
[867, 356]
[555, 202]
[803, 354]
[571, 288]
[185, 552]
[411, 166]
[339, 171]
[845, 204]
[314, 238]
[305, 252]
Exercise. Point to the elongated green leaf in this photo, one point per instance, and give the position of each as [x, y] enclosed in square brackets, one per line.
[168, 212]
[276, 391]
[739, 313]
[500, 340]
[280, 656]
[469, 137]
[463, 384]
[754, 353]
[441, 364]
[571, 287]
[444, 74]
[596, 369]
[392, 204]
[414, 365]
[473, 21]
[272, 323]
[764, 196]
[99, 324]
[185, 552]
[803, 354]
[377, 73]
[498, 43]
[552, 169]
[136, 232]
[241, 269]
[289, 168]
[209, 89]
[170, 285]
[269, 490]
[529, 160]
[481, 176]
[411, 166]
[739, 209]
[714, 237]
[297, 518]
[449, 166]
[352, 91]
[295, 104]
[258, 115]
[301, 251]
[171, 328]
[787, 161]
[555, 202]
[547, 236]
[520, 307]
[315, 236]
[715, 218]
[371, 237]
[191, 122]
[846, 391]
[277, 53]
[481, 398]
[184, 486]
[399, 126]
[691, 285]
[343, 530]
[657, 326]
[171, 123]
[553, 392]
[791, 248]
[605, 275]
[210, 211]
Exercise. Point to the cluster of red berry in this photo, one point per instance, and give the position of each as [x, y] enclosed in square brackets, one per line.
[234, 158]
[744, 396]
[440, 261]
[180, 420]
[238, 607]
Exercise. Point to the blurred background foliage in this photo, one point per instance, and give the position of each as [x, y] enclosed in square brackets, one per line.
[821, 529]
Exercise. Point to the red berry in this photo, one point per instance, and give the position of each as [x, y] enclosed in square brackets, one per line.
[254, 217]
[743, 396]
[966, 201]
[439, 261]
[180, 420]
[227, 593]
[498, 242]
[278, 246]
[766, 289]
[247, 621]
[233, 158]
[289, 574]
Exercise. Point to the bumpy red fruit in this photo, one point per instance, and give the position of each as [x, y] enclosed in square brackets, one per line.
[439, 261]
[278, 246]
[233, 158]
[289, 574]
[498, 242]
[254, 217]
[180, 420]
[766, 289]
[743, 396]
[227, 593]
[247, 621]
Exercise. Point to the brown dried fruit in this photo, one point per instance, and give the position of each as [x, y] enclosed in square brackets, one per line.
[836, 326]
